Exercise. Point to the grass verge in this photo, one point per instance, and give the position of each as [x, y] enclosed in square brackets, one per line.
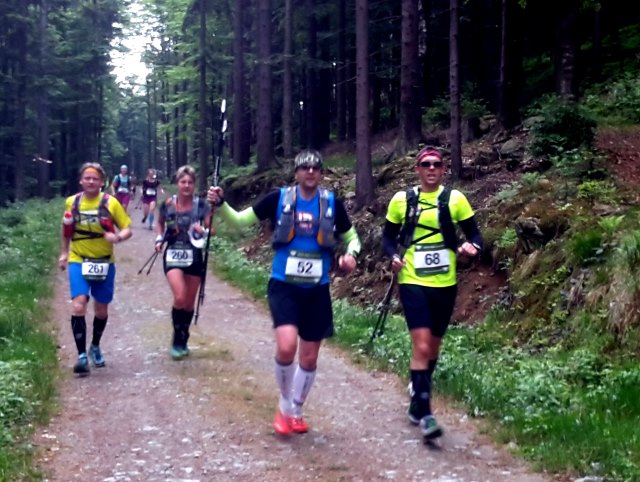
[29, 241]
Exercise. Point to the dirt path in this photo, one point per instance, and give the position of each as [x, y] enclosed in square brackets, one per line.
[145, 417]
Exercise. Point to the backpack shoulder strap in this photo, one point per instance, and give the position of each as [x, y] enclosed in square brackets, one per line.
[447, 228]
[410, 217]
[284, 228]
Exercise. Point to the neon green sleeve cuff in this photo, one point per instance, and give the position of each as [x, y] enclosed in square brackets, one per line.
[352, 241]
[236, 219]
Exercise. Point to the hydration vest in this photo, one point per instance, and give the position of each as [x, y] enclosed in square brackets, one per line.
[445, 222]
[285, 227]
[120, 181]
[104, 217]
[172, 225]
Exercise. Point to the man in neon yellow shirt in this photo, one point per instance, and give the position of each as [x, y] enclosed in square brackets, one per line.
[93, 222]
[421, 220]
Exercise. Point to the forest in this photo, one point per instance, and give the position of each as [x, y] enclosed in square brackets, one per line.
[534, 102]
[295, 73]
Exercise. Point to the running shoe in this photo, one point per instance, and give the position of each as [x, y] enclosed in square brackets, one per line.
[298, 425]
[414, 414]
[430, 428]
[281, 423]
[96, 356]
[82, 365]
[144, 219]
[178, 353]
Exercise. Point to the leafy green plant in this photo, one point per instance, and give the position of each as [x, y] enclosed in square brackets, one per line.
[597, 191]
[610, 225]
[509, 192]
[565, 126]
[586, 247]
[508, 239]
[530, 179]
[616, 102]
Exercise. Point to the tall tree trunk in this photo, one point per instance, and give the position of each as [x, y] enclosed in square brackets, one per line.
[43, 104]
[202, 100]
[410, 122]
[264, 141]
[566, 46]
[148, 96]
[311, 88]
[287, 85]
[241, 137]
[341, 73]
[20, 108]
[454, 91]
[510, 65]
[364, 177]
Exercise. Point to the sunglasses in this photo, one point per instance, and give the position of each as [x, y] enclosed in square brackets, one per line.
[427, 164]
[307, 167]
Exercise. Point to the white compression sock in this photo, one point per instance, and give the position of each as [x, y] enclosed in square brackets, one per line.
[302, 383]
[284, 378]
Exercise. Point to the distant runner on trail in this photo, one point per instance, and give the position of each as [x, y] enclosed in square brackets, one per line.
[150, 188]
[88, 235]
[306, 219]
[183, 223]
[121, 186]
[421, 219]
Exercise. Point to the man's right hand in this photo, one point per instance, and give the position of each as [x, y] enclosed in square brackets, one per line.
[63, 261]
[397, 263]
[215, 195]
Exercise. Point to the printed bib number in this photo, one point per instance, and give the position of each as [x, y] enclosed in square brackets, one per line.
[95, 270]
[150, 191]
[431, 259]
[303, 267]
[123, 190]
[179, 256]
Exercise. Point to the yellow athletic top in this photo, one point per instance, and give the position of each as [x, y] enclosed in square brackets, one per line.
[95, 247]
[429, 263]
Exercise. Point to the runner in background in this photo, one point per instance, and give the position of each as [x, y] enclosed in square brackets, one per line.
[183, 223]
[121, 187]
[149, 194]
[92, 223]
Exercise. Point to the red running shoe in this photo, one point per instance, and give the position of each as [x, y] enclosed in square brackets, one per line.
[281, 423]
[298, 425]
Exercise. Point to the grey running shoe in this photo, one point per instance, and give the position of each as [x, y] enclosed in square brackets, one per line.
[414, 414]
[82, 365]
[179, 352]
[96, 356]
[430, 428]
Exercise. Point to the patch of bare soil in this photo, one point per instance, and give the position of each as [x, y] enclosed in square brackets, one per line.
[621, 146]
[145, 417]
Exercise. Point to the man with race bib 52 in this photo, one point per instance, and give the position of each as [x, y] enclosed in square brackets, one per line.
[308, 221]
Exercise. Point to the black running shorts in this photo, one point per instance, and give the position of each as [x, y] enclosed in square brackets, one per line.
[426, 307]
[307, 308]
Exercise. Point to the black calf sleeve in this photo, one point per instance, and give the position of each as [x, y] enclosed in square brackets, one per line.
[98, 329]
[79, 329]
[421, 382]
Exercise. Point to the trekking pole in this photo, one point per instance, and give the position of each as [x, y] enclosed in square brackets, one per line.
[152, 259]
[216, 177]
[383, 306]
